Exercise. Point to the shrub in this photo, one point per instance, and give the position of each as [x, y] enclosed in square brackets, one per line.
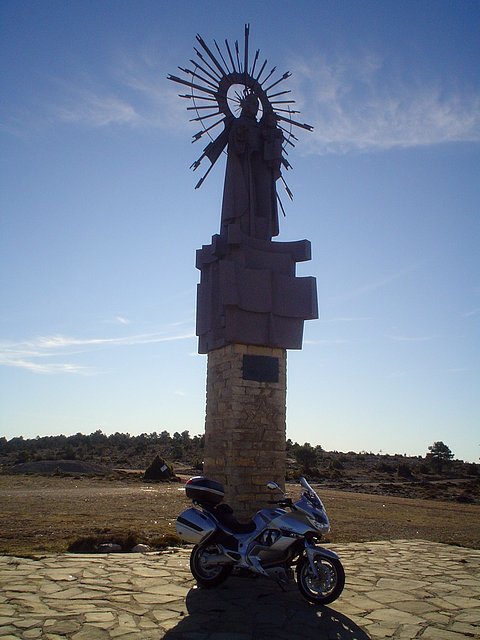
[465, 498]
[404, 470]
[384, 467]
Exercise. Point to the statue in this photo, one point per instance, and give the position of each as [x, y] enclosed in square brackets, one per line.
[254, 156]
[248, 292]
[255, 147]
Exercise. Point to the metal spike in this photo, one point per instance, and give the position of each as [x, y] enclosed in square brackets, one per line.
[191, 84]
[209, 115]
[257, 53]
[286, 110]
[284, 77]
[191, 96]
[261, 70]
[280, 93]
[205, 61]
[221, 55]
[210, 54]
[204, 106]
[289, 134]
[197, 75]
[230, 55]
[281, 205]
[245, 54]
[200, 182]
[272, 71]
[289, 193]
[237, 54]
[198, 135]
[196, 164]
[194, 62]
[308, 127]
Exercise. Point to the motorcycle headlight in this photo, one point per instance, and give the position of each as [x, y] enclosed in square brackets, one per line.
[320, 522]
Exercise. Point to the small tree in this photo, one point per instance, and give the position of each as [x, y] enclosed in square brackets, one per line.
[306, 457]
[439, 455]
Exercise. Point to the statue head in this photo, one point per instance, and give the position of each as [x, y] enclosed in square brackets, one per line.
[249, 104]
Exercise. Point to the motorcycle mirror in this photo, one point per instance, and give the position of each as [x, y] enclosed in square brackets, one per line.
[273, 485]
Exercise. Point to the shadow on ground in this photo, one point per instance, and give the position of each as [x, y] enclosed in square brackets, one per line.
[247, 608]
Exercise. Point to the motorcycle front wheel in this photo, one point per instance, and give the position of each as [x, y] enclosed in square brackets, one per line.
[329, 584]
[205, 573]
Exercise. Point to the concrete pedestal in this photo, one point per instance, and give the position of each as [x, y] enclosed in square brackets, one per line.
[245, 423]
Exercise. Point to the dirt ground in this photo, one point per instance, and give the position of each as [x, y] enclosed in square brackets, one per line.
[45, 514]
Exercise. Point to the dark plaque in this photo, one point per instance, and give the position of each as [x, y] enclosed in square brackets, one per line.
[260, 368]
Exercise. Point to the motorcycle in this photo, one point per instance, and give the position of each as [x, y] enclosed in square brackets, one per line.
[270, 544]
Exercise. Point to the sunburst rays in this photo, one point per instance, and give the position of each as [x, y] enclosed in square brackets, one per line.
[209, 81]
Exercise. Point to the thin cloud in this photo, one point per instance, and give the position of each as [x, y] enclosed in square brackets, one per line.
[36, 367]
[96, 110]
[36, 354]
[472, 313]
[136, 93]
[361, 105]
[406, 338]
[376, 284]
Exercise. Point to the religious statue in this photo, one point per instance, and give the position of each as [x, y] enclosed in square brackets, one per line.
[257, 128]
[254, 156]
[249, 292]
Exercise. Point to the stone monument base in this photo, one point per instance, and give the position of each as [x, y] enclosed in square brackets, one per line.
[245, 423]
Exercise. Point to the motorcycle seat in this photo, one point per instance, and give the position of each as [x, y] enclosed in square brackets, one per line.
[224, 514]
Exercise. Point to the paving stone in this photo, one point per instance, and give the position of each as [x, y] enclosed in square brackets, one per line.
[439, 618]
[418, 607]
[100, 616]
[4, 621]
[399, 584]
[62, 627]
[150, 597]
[90, 632]
[433, 633]
[409, 631]
[393, 617]
[462, 602]
[32, 634]
[389, 595]
[469, 616]
[469, 630]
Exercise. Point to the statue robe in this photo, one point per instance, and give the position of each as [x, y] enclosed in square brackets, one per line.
[253, 166]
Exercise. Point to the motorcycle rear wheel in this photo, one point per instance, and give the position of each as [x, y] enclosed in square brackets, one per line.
[207, 576]
[327, 587]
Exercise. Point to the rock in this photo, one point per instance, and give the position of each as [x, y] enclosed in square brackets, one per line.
[140, 548]
[158, 470]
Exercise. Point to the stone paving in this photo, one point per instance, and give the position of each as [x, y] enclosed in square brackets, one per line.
[398, 589]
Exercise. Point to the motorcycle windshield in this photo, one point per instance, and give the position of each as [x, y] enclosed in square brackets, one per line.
[312, 495]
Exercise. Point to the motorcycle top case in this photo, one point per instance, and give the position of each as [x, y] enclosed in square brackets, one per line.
[194, 526]
[204, 491]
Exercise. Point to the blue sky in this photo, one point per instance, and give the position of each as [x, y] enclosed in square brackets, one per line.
[100, 220]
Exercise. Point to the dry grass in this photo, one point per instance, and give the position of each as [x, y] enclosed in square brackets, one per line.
[47, 514]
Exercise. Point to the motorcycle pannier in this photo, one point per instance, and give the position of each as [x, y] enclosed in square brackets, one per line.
[194, 526]
[204, 491]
